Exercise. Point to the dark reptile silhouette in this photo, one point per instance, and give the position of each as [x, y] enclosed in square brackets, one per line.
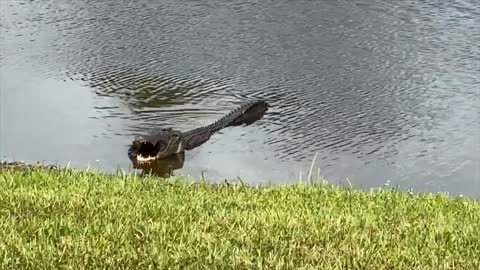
[162, 143]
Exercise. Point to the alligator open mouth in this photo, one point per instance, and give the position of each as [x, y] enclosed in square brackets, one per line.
[145, 151]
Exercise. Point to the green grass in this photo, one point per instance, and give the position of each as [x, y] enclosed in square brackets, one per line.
[58, 219]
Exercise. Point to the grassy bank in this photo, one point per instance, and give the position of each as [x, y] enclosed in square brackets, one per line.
[53, 219]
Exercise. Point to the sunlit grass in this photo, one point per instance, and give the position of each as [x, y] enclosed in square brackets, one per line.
[52, 219]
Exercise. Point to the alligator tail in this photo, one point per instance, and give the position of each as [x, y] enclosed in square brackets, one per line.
[246, 114]
[253, 113]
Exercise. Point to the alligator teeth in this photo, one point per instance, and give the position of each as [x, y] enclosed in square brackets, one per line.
[141, 158]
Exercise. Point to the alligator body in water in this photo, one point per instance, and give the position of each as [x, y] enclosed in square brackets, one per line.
[164, 142]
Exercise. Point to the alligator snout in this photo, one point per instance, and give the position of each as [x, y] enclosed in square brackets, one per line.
[144, 151]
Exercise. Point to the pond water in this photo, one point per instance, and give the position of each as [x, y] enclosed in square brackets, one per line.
[377, 91]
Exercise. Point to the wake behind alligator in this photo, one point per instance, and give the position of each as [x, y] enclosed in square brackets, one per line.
[161, 143]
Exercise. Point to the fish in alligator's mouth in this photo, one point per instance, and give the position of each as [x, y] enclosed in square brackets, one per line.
[164, 142]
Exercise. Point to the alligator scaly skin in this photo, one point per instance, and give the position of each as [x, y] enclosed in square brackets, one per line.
[163, 142]
[198, 136]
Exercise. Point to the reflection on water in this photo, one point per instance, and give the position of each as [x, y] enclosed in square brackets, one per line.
[379, 89]
[164, 167]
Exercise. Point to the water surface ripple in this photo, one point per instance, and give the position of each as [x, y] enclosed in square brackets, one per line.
[378, 89]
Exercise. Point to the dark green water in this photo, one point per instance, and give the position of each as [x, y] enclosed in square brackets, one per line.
[379, 90]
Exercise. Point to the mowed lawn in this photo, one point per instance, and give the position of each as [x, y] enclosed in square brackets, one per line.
[69, 219]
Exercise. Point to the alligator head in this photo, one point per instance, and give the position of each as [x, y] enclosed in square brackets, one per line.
[157, 145]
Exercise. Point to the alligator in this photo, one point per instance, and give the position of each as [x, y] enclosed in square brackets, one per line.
[164, 142]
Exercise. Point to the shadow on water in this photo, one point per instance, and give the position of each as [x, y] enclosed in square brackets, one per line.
[162, 168]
